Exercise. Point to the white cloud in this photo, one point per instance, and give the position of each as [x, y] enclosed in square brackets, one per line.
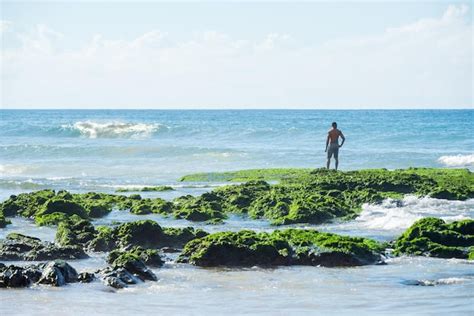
[427, 63]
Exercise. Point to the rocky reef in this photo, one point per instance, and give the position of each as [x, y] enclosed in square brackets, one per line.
[434, 238]
[301, 196]
[287, 247]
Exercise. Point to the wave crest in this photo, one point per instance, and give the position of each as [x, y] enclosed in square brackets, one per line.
[92, 129]
[401, 214]
[457, 160]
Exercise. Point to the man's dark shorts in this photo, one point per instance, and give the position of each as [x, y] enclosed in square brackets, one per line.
[333, 150]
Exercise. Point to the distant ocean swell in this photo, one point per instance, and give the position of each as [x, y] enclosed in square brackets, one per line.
[96, 129]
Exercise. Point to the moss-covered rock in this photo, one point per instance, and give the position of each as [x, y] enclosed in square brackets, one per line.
[132, 262]
[150, 257]
[246, 175]
[75, 231]
[147, 206]
[321, 195]
[104, 239]
[178, 237]
[26, 204]
[435, 238]
[287, 247]
[145, 233]
[49, 207]
[205, 207]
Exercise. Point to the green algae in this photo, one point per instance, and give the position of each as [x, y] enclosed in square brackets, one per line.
[433, 237]
[148, 206]
[144, 233]
[75, 231]
[246, 175]
[301, 196]
[160, 188]
[119, 258]
[287, 247]
[203, 208]
[322, 195]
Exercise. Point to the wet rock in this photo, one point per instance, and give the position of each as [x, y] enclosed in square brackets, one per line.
[3, 221]
[14, 276]
[146, 234]
[73, 232]
[287, 247]
[126, 270]
[120, 278]
[58, 273]
[85, 277]
[150, 257]
[435, 238]
[22, 247]
[169, 250]
[133, 264]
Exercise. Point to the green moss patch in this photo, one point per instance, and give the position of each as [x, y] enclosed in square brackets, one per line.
[435, 238]
[287, 247]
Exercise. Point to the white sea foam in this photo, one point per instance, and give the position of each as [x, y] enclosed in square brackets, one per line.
[9, 169]
[399, 215]
[114, 129]
[457, 160]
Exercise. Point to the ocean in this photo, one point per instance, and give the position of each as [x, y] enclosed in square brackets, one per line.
[102, 150]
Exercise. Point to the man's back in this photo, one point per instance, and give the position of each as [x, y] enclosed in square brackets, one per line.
[334, 135]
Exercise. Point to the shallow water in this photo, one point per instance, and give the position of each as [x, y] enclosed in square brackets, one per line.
[183, 289]
[105, 150]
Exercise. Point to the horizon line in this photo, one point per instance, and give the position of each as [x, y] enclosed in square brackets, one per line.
[241, 109]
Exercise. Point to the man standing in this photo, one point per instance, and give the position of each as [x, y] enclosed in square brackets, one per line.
[333, 142]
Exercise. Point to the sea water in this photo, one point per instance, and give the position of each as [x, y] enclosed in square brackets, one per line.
[102, 150]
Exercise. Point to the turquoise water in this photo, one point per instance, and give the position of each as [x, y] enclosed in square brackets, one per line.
[90, 149]
[103, 150]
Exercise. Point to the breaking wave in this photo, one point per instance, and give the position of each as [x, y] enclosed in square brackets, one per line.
[457, 160]
[92, 129]
[401, 214]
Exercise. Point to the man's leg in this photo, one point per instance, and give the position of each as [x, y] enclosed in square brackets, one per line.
[328, 163]
[337, 162]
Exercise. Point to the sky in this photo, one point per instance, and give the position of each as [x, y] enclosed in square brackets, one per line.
[239, 55]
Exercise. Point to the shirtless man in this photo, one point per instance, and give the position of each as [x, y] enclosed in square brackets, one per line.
[333, 142]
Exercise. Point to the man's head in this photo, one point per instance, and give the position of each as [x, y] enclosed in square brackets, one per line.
[334, 125]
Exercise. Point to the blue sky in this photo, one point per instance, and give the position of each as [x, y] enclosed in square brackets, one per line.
[236, 55]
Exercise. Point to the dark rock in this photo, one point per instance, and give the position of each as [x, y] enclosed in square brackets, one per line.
[120, 278]
[21, 247]
[150, 257]
[58, 273]
[85, 277]
[133, 264]
[14, 276]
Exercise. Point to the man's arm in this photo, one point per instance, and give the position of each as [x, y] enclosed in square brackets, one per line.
[327, 143]
[343, 138]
